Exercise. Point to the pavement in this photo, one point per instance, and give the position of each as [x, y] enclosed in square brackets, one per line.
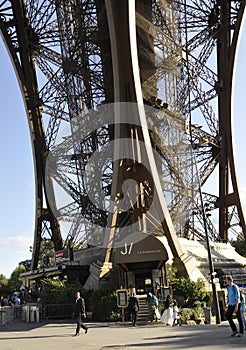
[49, 335]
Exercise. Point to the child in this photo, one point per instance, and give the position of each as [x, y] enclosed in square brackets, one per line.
[176, 319]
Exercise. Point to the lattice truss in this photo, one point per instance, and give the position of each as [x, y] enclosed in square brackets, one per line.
[69, 47]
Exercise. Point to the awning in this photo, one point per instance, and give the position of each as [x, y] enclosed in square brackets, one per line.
[140, 248]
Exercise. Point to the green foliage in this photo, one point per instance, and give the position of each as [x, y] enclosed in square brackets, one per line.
[3, 281]
[240, 245]
[198, 310]
[101, 302]
[58, 292]
[189, 292]
[194, 313]
[171, 271]
[103, 305]
[26, 264]
[14, 282]
[47, 252]
[185, 314]
[3, 285]
[9, 285]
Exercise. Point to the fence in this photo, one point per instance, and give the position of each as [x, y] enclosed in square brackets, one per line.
[30, 312]
[58, 311]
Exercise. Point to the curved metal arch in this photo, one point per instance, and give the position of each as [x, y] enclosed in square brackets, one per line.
[16, 37]
[28, 42]
[226, 50]
[223, 22]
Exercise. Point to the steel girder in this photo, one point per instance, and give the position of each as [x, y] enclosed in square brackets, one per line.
[62, 54]
[18, 37]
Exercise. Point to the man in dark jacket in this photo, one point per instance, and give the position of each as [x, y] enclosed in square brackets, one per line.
[80, 313]
[133, 308]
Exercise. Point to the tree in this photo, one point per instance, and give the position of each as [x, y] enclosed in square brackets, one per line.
[240, 244]
[26, 264]
[190, 292]
[47, 253]
[14, 282]
[3, 284]
[58, 292]
[102, 302]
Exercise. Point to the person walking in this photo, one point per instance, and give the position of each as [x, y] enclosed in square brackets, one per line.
[167, 316]
[17, 303]
[152, 303]
[4, 301]
[242, 308]
[176, 318]
[80, 313]
[133, 308]
[233, 305]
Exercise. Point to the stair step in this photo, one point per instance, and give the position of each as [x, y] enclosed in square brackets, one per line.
[143, 314]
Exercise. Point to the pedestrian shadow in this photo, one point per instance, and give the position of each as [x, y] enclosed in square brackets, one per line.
[186, 340]
[68, 335]
[174, 345]
[18, 326]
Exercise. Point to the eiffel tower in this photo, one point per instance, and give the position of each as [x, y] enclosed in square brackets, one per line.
[129, 108]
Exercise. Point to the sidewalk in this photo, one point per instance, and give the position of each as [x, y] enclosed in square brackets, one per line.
[117, 336]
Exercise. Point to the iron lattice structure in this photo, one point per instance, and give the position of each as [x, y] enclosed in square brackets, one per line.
[73, 57]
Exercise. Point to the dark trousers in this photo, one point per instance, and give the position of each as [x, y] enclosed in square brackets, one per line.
[79, 324]
[229, 314]
[134, 317]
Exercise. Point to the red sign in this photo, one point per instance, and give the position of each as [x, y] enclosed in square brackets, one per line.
[61, 256]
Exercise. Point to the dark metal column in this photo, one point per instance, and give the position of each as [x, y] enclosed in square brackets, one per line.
[28, 83]
[226, 47]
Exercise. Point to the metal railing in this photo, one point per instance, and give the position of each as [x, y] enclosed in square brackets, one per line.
[58, 311]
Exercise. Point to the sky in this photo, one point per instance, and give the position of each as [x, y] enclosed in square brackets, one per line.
[17, 187]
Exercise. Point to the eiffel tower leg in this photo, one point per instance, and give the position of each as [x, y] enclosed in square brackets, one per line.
[127, 87]
[226, 50]
[25, 70]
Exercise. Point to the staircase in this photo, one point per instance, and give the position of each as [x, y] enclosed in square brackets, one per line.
[143, 314]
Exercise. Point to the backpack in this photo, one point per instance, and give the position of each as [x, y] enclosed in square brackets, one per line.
[155, 300]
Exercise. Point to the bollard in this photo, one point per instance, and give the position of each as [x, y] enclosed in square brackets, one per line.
[23, 313]
[3, 318]
[33, 313]
[207, 314]
[27, 313]
[37, 314]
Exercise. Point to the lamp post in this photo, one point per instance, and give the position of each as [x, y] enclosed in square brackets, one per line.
[210, 261]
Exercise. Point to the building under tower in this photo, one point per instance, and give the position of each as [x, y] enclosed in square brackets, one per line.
[129, 107]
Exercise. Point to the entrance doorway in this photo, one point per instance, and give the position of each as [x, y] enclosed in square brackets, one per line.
[143, 281]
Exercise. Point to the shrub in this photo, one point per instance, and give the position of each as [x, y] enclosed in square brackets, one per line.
[101, 302]
[191, 313]
[58, 292]
[190, 292]
[185, 314]
[103, 305]
[198, 311]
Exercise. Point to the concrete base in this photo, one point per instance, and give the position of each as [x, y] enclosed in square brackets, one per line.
[97, 272]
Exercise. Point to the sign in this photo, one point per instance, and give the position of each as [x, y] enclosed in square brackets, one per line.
[141, 248]
[216, 280]
[122, 297]
[61, 256]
